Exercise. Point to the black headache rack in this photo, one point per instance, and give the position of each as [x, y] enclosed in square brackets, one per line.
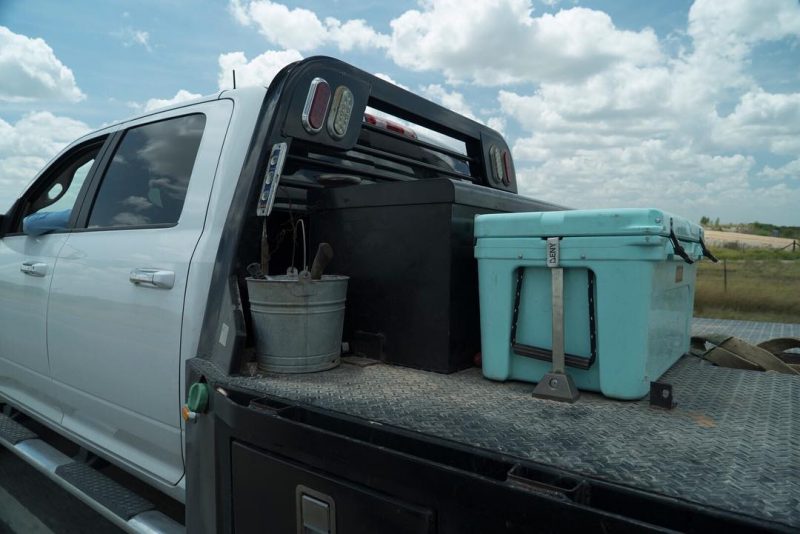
[450, 170]
[472, 155]
[371, 150]
[378, 147]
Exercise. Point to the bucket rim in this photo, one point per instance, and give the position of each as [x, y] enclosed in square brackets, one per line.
[286, 279]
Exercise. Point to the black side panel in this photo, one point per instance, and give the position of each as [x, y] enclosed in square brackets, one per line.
[352, 509]
[265, 448]
[398, 261]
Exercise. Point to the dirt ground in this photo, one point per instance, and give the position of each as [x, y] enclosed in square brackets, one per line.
[715, 238]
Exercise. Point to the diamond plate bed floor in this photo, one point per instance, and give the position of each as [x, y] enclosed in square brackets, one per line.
[733, 441]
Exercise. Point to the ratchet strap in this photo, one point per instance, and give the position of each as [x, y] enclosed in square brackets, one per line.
[729, 351]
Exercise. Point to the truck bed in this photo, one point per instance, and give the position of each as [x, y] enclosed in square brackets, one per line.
[731, 443]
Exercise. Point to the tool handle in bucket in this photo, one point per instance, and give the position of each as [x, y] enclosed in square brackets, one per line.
[321, 260]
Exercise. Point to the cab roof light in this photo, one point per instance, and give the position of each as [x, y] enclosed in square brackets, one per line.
[341, 111]
[316, 107]
[389, 126]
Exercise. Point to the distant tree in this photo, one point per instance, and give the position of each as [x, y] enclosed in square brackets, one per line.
[716, 224]
[704, 221]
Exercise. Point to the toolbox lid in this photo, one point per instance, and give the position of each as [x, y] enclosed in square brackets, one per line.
[599, 222]
[426, 191]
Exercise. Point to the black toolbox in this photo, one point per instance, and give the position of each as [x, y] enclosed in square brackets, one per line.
[408, 250]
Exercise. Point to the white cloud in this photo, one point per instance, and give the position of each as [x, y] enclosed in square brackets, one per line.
[27, 145]
[301, 29]
[142, 38]
[763, 120]
[789, 173]
[297, 28]
[387, 78]
[354, 34]
[131, 36]
[498, 42]
[258, 71]
[498, 124]
[638, 134]
[30, 70]
[729, 27]
[181, 96]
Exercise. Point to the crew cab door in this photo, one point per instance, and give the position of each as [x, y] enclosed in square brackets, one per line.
[27, 263]
[116, 302]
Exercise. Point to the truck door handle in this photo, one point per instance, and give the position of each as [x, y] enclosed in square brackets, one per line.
[34, 268]
[153, 278]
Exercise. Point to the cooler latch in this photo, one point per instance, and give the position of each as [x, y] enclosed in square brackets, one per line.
[557, 384]
[676, 245]
[707, 253]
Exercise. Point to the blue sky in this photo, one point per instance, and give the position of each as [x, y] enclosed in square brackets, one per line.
[693, 107]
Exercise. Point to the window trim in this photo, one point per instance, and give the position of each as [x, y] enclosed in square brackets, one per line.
[50, 174]
[82, 219]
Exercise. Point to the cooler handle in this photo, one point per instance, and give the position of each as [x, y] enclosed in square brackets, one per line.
[676, 245]
[707, 253]
[546, 355]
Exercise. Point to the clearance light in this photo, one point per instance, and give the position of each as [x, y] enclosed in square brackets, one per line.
[498, 168]
[319, 96]
[508, 167]
[341, 110]
[389, 126]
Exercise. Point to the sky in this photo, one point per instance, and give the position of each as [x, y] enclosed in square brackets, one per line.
[691, 107]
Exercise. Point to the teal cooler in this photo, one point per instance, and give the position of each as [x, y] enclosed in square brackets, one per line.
[628, 295]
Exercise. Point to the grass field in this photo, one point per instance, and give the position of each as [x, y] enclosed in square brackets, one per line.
[762, 285]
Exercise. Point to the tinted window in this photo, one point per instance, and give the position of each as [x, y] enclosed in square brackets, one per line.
[147, 179]
[61, 185]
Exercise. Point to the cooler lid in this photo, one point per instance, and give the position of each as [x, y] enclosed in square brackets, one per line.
[603, 222]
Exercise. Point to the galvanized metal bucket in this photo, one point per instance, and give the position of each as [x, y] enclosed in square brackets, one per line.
[298, 322]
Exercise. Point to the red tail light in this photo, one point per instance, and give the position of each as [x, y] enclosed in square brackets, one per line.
[502, 166]
[508, 167]
[317, 101]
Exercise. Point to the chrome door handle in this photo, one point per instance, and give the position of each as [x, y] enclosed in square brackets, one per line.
[153, 277]
[34, 268]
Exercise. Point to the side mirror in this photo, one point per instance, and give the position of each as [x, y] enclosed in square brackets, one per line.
[44, 222]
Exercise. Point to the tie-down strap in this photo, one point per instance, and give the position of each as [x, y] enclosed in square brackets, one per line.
[729, 351]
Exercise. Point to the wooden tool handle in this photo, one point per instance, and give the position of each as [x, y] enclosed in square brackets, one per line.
[321, 260]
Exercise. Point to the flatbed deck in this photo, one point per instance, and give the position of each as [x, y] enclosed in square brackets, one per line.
[731, 443]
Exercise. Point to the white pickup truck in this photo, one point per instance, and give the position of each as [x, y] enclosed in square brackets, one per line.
[122, 283]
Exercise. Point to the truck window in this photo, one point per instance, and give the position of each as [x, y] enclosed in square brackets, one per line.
[146, 181]
[59, 189]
